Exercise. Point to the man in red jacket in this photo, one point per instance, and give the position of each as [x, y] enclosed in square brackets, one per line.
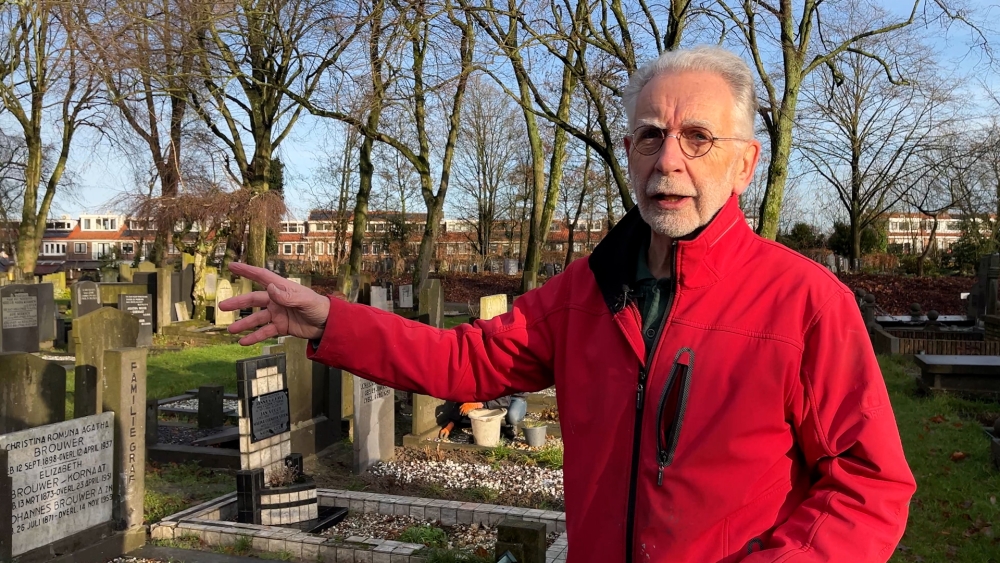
[718, 395]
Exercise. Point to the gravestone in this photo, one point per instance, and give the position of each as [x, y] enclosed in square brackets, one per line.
[315, 415]
[374, 428]
[265, 447]
[125, 273]
[181, 312]
[211, 410]
[19, 308]
[109, 276]
[145, 266]
[125, 396]
[86, 298]
[58, 280]
[187, 288]
[429, 414]
[141, 307]
[406, 297]
[46, 312]
[164, 306]
[264, 417]
[62, 479]
[109, 292]
[492, 306]
[510, 266]
[978, 374]
[93, 335]
[379, 299]
[222, 292]
[432, 302]
[32, 392]
[211, 285]
[148, 280]
[374, 415]
[527, 541]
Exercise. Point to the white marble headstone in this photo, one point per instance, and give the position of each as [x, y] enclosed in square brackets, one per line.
[62, 479]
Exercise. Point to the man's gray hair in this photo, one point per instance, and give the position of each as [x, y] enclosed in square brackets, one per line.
[705, 58]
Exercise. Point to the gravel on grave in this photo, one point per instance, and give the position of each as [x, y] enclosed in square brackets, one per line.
[228, 405]
[384, 526]
[503, 478]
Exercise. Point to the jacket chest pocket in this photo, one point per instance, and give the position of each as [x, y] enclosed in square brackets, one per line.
[671, 408]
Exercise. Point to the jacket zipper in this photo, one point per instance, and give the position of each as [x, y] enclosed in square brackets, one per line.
[640, 402]
[675, 394]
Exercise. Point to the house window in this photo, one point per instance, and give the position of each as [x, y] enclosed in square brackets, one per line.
[554, 226]
[128, 248]
[329, 248]
[364, 248]
[319, 248]
[80, 247]
[54, 248]
[86, 224]
[287, 249]
[102, 250]
[300, 249]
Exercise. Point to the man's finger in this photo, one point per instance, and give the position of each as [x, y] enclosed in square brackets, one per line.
[260, 275]
[260, 335]
[246, 301]
[260, 318]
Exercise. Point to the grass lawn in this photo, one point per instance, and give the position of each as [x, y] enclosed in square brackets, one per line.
[172, 488]
[955, 514]
[172, 373]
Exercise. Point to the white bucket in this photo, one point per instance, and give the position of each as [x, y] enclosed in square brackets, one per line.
[486, 426]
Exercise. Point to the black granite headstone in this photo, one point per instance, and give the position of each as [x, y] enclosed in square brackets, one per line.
[86, 298]
[141, 307]
[19, 317]
[269, 415]
[149, 280]
[152, 422]
[210, 406]
[249, 484]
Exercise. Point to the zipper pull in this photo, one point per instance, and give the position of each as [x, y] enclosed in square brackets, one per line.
[640, 389]
[659, 477]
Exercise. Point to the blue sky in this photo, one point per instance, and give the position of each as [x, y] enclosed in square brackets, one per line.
[101, 175]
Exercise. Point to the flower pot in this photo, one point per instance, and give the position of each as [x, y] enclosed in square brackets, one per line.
[486, 426]
[535, 435]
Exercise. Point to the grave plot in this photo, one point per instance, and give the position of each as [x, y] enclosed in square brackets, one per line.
[213, 523]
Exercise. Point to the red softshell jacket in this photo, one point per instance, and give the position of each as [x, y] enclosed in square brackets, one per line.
[761, 429]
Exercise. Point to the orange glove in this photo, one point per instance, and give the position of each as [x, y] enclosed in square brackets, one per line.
[466, 408]
[446, 431]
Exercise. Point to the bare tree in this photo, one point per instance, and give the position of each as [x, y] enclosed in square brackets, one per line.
[865, 135]
[48, 90]
[144, 53]
[486, 158]
[251, 55]
[807, 37]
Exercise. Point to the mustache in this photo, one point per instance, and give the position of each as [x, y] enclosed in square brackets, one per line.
[660, 185]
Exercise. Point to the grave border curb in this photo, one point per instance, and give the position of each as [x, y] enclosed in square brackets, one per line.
[205, 522]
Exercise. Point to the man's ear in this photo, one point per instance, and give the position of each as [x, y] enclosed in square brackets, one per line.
[628, 145]
[746, 165]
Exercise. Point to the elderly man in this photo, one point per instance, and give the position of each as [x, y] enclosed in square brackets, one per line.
[718, 395]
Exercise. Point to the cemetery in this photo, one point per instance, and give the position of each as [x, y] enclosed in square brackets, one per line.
[142, 426]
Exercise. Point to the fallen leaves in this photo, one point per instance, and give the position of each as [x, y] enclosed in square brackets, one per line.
[894, 294]
[958, 456]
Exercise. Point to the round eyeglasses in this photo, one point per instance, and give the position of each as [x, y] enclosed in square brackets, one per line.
[694, 141]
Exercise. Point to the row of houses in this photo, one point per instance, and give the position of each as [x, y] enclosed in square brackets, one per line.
[89, 241]
[85, 242]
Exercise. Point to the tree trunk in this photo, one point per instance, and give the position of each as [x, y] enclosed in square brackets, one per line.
[777, 173]
[199, 295]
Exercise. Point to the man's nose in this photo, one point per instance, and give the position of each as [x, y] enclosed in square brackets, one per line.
[670, 158]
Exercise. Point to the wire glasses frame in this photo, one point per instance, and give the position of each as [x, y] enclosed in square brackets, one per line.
[694, 142]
